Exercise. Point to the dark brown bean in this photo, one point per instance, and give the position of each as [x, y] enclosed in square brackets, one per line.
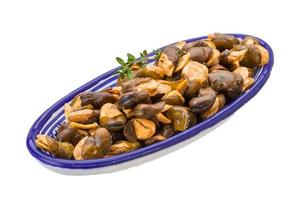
[131, 99]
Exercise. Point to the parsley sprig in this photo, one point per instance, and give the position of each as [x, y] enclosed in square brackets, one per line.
[143, 60]
[125, 70]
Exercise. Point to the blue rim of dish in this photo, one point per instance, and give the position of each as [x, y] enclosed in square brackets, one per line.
[47, 159]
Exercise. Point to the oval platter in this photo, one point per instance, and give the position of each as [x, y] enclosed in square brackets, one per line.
[49, 121]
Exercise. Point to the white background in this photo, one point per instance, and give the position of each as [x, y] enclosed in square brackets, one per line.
[49, 48]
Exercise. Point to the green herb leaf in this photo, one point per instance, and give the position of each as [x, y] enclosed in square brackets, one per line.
[120, 60]
[130, 57]
[125, 70]
[129, 74]
[143, 60]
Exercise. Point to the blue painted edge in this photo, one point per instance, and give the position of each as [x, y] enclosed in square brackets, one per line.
[98, 163]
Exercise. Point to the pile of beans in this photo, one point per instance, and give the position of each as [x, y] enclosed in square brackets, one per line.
[186, 84]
